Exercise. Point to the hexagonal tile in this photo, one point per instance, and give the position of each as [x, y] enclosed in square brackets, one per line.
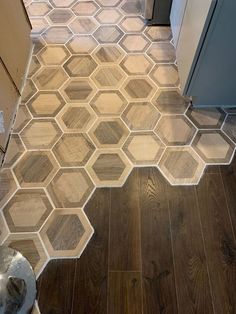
[108, 77]
[38, 8]
[134, 43]
[106, 103]
[85, 8]
[143, 148]
[50, 78]
[76, 118]
[108, 54]
[73, 150]
[57, 35]
[70, 188]
[40, 134]
[39, 25]
[4, 231]
[108, 16]
[27, 210]
[159, 33]
[38, 43]
[14, 150]
[133, 24]
[136, 64]
[108, 34]
[22, 118]
[28, 91]
[60, 16]
[35, 169]
[108, 133]
[140, 116]
[175, 130]
[80, 66]
[162, 52]
[206, 118]
[78, 90]
[83, 25]
[131, 7]
[108, 3]
[7, 186]
[81, 44]
[169, 101]
[165, 75]
[66, 233]
[30, 247]
[229, 127]
[213, 146]
[109, 168]
[62, 3]
[53, 55]
[46, 104]
[139, 88]
[34, 66]
[181, 166]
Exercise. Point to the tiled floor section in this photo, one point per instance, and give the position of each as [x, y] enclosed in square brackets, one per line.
[101, 98]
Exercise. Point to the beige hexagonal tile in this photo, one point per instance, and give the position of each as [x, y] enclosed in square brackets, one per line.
[83, 25]
[80, 66]
[76, 118]
[62, 3]
[132, 24]
[81, 44]
[165, 75]
[60, 16]
[38, 8]
[34, 66]
[53, 55]
[108, 77]
[213, 146]
[134, 43]
[108, 16]
[14, 150]
[159, 33]
[85, 8]
[50, 78]
[108, 54]
[7, 186]
[108, 3]
[66, 233]
[27, 210]
[134, 64]
[131, 7]
[73, 150]
[107, 103]
[143, 148]
[38, 43]
[39, 25]
[40, 134]
[35, 169]
[46, 104]
[57, 35]
[108, 34]
[22, 118]
[70, 188]
[140, 116]
[229, 127]
[138, 88]
[28, 91]
[109, 168]
[109, 133]
[4, 230]
[181, 166]
[162, 52]
[206, 118]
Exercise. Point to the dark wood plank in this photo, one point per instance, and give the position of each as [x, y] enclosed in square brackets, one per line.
[125, 293]
[124, 246]
[192, 281]
[90, 293]
[56, 287]
[219, 243]
[159, 294]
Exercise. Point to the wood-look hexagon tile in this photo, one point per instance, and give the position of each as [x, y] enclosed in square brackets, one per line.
[138, 88]
[39, 25]
[135, 64]
[14, 150]
[53, 55]
[78, 90]
[108, 34]
[181, 166]
[134, 43]
[85, 8]
[108, 3]
[81, 44]
[80, 66]
[38, 43]
[206, 118]
[46, 104]
[109, 168]
[27, 210]
[50, 78]
[4, 231]
[213, 146]
[108, 16]
[66, 233]
[35, 169]
[140, 116]
[73, 149]
[60, 16]
[57, 35]
[165, 75]
[76, 118]
[170, 101]
[175, 130]
[38, 8]
[229, 127]
[22, 118]
[62, 3]
[30, 247]
[83, 25]
[7, 186]
[143, 148]
[162, 52]
[108, 54]
[109, 133]
[40, 134]
[34, 66]
[131, 7]
[108, 77]
[159, 33]
[132, 24]
[107, 103]
[70, 188]
[28, 91]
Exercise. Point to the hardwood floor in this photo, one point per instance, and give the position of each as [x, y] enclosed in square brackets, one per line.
[156, 249]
